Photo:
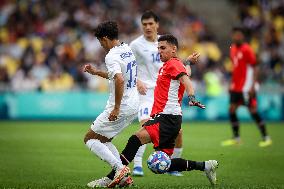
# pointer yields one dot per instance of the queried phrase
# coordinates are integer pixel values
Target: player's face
(104, 43)
(150, 28)
(238, 37)
(166, 50)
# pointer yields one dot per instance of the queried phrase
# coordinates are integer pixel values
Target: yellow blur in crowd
(71, 48)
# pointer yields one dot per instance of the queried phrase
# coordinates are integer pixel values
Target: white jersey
(120, 59)
(148, 60)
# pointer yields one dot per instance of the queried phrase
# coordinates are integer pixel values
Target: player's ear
(174, 49)
(104, 39)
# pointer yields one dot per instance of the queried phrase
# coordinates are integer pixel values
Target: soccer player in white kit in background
(145, 48)
(122, 105)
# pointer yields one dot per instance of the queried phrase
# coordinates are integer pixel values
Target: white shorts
(145, 105)
(110, 129)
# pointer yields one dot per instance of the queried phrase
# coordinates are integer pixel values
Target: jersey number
(146, 112)
(156, 57)
(132, 80)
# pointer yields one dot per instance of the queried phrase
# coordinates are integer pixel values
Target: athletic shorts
(110, 129)
(163, 130)
(242, 98)
(145, 105)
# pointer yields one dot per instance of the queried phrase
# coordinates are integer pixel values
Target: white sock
(139, 155)
(177, 153)
(207, 165)
(113, 150)
(102, 151)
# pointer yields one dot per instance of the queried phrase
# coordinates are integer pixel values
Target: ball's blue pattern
(159, 162)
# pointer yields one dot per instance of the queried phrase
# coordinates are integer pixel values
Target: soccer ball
(159, 162)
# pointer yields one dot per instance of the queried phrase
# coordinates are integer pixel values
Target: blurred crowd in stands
(43, 44)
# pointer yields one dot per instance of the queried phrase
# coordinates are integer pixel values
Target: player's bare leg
(266, 140)
(138, 165)
(177, 152)
(178, 146)
(235, 126)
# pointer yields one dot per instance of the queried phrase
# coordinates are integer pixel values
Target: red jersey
(169, 91)
(243, 59)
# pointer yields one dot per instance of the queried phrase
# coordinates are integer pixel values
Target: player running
(122, 105)
(145, 48)
(243, 87)
(166, 116)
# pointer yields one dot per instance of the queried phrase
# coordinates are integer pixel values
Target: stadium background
(43, 48)
(43, 45)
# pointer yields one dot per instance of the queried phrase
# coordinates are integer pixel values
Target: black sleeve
(181, 74)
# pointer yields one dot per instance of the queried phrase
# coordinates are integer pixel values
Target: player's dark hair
(245, 31)
(149, 14)
(169, 38)
(238, 29)
(107, 29)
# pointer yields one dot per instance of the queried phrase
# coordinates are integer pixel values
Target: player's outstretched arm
(190, 92)
(92, 70)
(119, 89)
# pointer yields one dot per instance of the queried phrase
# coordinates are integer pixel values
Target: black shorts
(163, 130)
(241, 98)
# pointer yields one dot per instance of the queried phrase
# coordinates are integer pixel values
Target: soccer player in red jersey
(145, 49)
(243, 87)
(163, 128)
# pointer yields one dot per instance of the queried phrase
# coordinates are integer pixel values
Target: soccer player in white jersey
(122, 105)
(145, 48)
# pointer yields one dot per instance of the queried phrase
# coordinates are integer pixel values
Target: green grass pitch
(52, 155)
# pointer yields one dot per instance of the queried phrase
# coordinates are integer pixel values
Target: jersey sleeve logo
(161, 71)
(126, 55)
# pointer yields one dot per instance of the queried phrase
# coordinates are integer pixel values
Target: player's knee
(86, 138)
(143, 136)
(180, 132)
(252, 110)
(233, 108)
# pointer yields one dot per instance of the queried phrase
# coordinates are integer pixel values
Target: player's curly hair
(169, 38)
(107, 29)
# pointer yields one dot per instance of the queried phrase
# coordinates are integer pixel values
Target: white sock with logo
(103, 152)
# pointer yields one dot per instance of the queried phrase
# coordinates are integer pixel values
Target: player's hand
(198, 104)
(141, 87)
(113, 114)
(88, 68)
(193, 102)
(193, 58)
